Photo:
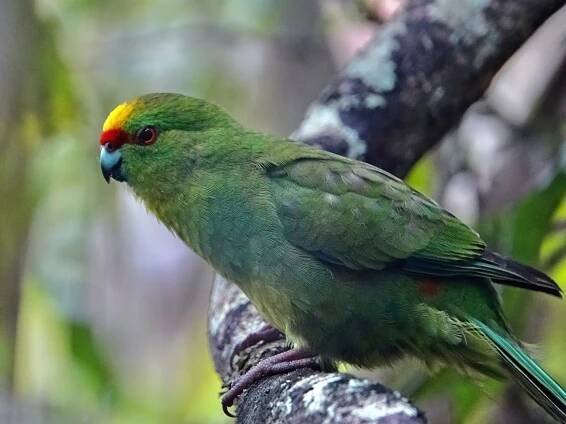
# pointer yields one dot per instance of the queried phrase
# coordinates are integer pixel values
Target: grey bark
(391, 103)
(412, 83)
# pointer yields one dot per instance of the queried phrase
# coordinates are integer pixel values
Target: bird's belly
(364, 325)
(273, 304)
(363, 320)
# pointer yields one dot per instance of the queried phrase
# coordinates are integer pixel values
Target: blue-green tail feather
(527, 373)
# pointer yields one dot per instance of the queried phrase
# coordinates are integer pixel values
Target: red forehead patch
(116, 138)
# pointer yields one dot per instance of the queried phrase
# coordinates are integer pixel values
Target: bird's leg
(265, 334)
(283, 362)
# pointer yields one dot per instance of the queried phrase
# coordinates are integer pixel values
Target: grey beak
(110, 164)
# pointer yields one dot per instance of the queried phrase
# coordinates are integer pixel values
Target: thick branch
(391, 103)
(415, 79)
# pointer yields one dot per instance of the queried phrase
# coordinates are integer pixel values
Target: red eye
(147, 135)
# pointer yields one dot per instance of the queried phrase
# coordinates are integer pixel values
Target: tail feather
(509, 271)
(491, 265)
(527, 373)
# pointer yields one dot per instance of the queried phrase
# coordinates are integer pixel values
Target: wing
(355, 215)
(352, 214)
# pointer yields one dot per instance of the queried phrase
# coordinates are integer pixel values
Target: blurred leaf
(422, 176)
(531, 220)
(526, 227)
(87, 353)
(44, 366)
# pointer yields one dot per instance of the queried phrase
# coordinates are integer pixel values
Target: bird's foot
(281, 363)
(266, 334)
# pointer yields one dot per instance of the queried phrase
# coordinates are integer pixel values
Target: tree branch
(413, 82)
(391, 104)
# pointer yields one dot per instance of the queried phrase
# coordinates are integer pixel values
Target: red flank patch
(429, 287)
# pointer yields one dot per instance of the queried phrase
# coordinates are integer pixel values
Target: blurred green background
(103, 312)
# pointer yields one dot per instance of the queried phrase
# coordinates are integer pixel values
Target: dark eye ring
(146, 135)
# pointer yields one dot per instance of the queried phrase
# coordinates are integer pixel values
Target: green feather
(528, 374)
(371, 219)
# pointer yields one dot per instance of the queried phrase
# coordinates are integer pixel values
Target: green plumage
(341, 256)
(528, 374)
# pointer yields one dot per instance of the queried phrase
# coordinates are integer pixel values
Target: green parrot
(345, 259)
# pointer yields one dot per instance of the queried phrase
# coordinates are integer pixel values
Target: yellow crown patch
(118, 116)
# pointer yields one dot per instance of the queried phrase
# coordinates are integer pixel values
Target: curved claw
(227, 411)
(226, 402)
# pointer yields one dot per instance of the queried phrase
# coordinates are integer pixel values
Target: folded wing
(352, 214)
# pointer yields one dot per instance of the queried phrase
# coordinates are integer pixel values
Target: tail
(491, 265)
(506, 271)
(527, 373)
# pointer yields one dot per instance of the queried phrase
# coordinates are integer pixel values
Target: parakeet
(345, 259)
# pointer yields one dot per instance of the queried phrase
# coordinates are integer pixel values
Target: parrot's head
(147, 141)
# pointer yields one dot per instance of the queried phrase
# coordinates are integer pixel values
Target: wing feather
(359, 216)
(352, 214)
